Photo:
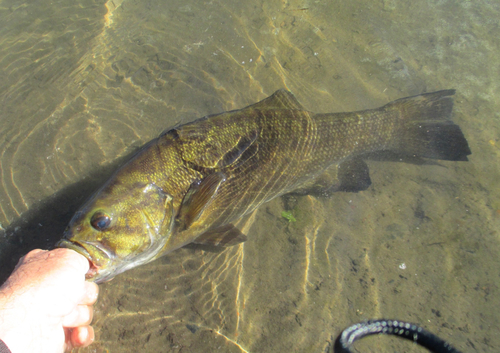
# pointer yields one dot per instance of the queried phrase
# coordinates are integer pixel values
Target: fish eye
(100, 221)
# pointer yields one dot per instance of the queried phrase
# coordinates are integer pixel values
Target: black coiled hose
(398, 328)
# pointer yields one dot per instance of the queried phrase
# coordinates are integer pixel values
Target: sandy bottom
(84, 83)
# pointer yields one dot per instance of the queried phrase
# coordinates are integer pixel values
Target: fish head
(122, 226)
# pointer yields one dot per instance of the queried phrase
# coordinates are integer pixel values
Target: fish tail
(428, 131)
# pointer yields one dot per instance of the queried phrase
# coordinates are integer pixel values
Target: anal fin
(354, 176)
(350, 176)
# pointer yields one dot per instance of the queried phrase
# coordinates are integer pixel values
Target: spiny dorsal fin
(281, 99)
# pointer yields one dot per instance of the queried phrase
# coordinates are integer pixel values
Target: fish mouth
(95, 254)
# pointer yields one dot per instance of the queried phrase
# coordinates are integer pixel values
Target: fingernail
(83, 335)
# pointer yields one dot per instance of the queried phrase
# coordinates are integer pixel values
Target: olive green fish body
(194, 181)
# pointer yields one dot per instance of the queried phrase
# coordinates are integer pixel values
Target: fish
(195, 180)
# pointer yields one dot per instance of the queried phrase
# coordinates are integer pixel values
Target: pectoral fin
(197, 199)
(242, 151)
(227, 235)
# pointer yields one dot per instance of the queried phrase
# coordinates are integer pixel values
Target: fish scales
(190, 184)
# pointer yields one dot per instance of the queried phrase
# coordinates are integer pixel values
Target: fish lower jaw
(93, 270)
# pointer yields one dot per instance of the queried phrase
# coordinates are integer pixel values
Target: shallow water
(84, 83)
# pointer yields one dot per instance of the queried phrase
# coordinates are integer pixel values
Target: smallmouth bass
(192, 182)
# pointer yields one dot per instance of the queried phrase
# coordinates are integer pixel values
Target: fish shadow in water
(44, 223)
(390, 156)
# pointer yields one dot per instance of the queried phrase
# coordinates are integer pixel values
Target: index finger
(73, 257)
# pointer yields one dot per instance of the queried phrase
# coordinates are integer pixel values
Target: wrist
(15, 323)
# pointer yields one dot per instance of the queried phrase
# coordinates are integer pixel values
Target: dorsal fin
(281, 99)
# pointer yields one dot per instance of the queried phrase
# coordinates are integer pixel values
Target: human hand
(46, 304)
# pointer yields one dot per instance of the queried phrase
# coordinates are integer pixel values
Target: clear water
(84, 83)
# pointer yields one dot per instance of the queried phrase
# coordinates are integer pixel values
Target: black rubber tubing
(397, 328)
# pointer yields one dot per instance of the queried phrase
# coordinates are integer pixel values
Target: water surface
(85, 83)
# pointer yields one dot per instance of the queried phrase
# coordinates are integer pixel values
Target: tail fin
(428, 131)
